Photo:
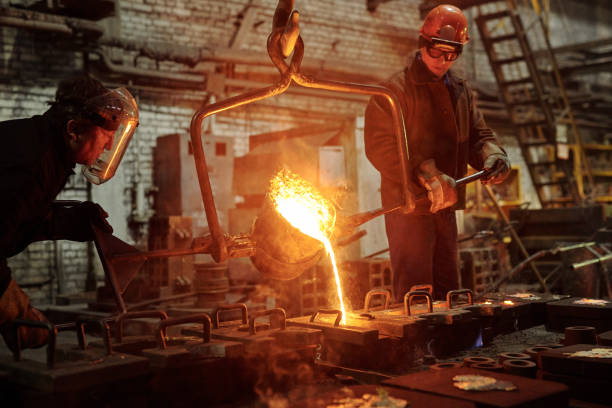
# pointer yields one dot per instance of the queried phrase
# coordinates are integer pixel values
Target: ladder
(538, 107)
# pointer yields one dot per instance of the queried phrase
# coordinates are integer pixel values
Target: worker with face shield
(445, 132)
(86, 124)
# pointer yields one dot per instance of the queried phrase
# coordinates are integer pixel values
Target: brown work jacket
(451, 135)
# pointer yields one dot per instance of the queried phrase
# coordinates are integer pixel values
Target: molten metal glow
(508, 302)
(308, 211)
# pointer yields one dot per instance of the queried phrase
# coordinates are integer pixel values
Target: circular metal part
(525, 368)
(550, 345)
(471, 360)
(493, 366)
(533, 351)
(512, 356)
(580, 335)
(444, 366)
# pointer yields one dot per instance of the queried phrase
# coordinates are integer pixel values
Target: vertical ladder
(533, 105)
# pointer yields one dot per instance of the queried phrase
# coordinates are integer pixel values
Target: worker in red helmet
(445, 132)
(86, 124)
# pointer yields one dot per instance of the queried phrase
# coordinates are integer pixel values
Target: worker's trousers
(423, 250)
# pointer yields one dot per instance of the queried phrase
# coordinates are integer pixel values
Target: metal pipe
(397, 117)
(161, 253)
(219, 248)
(600, 259)
(16, 22)
(146, 303)
(516, 269)
(46, 22)
(530, 259)
(132, 71)
(576, 246)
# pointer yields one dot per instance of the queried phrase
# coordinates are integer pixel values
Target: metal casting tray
(356, 346)
(530, 393)
(557, 361)
(566, 312)
(73, 370)
(585, 389)
(328, 321)
(445, 327)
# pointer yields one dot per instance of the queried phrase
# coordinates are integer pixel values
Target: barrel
(211, 282)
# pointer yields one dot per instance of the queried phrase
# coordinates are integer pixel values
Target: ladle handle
(376, 292)
(452, 294)
(417, 293)
(337, 312)
(195, 318)
(233, 306)
(270, 312)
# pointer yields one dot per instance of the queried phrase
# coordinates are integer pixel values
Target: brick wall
(341, 31)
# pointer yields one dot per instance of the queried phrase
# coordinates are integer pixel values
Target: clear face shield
(115, 111)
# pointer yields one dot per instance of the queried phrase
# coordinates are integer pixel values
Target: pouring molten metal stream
(308, 211)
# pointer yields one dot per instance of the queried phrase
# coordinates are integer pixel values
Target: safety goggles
(438, 47)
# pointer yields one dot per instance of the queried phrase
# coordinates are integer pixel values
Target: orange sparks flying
(308, 211)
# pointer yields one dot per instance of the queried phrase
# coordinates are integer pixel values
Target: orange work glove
(15, 304)
(498, 166)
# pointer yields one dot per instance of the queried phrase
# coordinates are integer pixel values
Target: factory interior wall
(335, 32)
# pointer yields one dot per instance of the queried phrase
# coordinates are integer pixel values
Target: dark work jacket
(34, 166)
(448, 129)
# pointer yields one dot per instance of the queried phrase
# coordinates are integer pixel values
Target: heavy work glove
(73, 222)
(441, 188)
(15, 304)
(498, 167)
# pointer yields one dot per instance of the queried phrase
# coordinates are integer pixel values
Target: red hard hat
(445, 22)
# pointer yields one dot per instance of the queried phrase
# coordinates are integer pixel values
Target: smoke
(284, 376)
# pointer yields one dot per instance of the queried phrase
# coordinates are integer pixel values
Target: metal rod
(160, 253)
(109, 269)
(162, 299)
(601, 259)
(472, 177)
(529, 260)
(513, 271)
(361, 218)
(576, 246)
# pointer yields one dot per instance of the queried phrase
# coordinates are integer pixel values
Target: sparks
(308, 211)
